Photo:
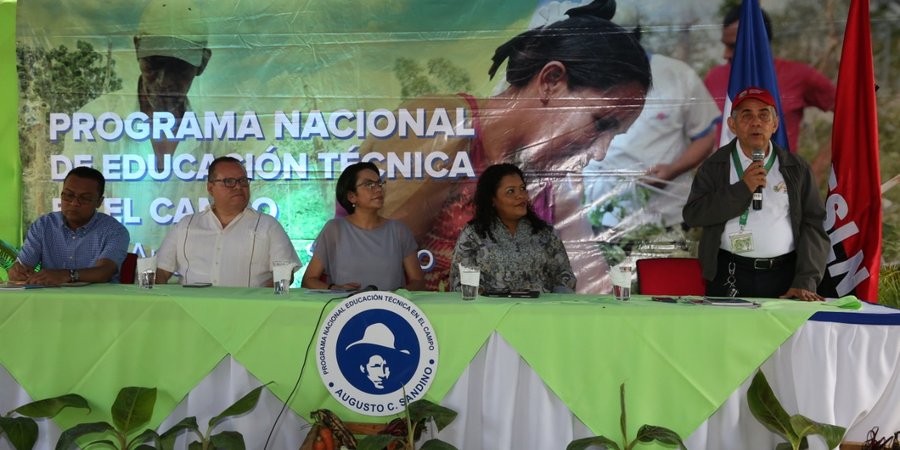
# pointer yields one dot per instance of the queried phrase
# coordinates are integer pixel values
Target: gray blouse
(352, 254)
(524, 261)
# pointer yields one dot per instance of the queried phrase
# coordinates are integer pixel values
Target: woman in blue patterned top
(513, 247)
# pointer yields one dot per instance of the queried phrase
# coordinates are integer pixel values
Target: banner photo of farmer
(150, 93)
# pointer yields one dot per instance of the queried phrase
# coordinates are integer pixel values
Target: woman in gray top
(513, 247)
(363, 248)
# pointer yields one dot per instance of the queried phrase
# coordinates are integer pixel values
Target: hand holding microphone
(757, 167)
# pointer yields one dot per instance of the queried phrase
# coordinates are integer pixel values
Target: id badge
(741, 242)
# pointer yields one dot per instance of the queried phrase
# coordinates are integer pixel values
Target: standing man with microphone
(752, 248)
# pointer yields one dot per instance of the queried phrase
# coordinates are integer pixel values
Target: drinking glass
(469, 278)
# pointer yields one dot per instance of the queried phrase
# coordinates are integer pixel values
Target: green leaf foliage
(227, 440)
(67, 438)
(377, 441)
(143, 438)
(768, 410)
(224, 440)
(145, 447)
(454, 79)
(242, 406)
(646, 434)
(436, 444)
(103, 442)
(585, 443)
(50, 407)
(66, 78)
(889, 275)
(832, 434)
(167, 438)
(650, 433)
(133, 407)
(423, 410)
(22, 432)
(787, 445)
(195, 446)
(412, 82)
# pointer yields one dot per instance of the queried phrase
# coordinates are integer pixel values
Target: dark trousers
(750, 280)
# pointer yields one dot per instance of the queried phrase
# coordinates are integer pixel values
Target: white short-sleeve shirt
(240, 254)
(771, 226)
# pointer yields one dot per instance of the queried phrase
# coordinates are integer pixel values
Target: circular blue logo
(377, 351)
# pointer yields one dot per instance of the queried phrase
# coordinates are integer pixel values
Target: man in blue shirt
(76, 243)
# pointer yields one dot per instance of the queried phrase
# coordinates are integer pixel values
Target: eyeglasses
(372, 185)
(83, 199)
(231, 182)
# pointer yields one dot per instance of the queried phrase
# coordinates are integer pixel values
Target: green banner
(10, 167)
(432, 92)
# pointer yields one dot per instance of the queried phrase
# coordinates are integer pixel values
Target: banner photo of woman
(150, 93)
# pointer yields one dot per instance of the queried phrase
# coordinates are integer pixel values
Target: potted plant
(19, 425)
(795, 429)
(225, 440)
(133, 408)
(646, 434)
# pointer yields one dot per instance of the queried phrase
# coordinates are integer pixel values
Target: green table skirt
(679, 362)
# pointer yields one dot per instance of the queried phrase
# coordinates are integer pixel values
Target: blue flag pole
(752, 65)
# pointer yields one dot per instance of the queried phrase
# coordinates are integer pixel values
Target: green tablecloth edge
(599, 409)
(253, 328)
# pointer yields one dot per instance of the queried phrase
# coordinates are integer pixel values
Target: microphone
(758, 155)
(366, 288)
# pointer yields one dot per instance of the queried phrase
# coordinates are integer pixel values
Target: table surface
(679, 362)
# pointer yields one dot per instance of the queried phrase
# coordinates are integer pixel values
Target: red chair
(670, 276)
(126, 272)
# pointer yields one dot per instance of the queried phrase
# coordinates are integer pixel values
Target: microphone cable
(187, 262)
(312, 339)
(253, 249)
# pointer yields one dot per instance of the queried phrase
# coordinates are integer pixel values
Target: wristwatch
(73, 275)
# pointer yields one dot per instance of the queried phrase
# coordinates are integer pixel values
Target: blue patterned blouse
(524, 261)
